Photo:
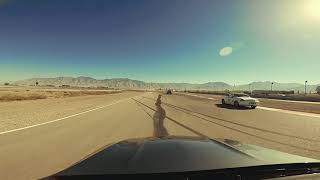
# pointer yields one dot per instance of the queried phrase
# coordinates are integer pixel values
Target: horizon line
(160, 82)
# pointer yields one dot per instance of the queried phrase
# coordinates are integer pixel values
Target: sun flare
(312, 9)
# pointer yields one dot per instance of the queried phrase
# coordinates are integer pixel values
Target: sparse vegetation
(33, 94)
(16, 97)
(6, 84)
(318, 90)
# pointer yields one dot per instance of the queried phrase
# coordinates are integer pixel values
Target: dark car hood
(178, 154)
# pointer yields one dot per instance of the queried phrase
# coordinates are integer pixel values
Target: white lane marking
(290, 112)
(274, 109)
(56, 120)
(292, 101)
(303, 102)
(199, 96)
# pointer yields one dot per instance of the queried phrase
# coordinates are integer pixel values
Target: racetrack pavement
(46, 148)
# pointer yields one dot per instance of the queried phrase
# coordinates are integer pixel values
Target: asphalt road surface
(38, 150)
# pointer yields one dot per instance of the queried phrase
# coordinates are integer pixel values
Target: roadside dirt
(21, 94)
(17, 114)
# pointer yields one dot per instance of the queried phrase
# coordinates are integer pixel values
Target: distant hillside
(117, 83)
(276, 86)
(83, 82)
(135, 84)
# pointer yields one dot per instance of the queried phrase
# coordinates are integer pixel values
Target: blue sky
(161, 41)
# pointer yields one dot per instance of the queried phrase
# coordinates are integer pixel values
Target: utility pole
(305, 87)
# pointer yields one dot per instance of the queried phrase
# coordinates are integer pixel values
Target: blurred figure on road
(158, 102)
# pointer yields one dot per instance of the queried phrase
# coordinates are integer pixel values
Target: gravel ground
(17, 114)
(25, 93)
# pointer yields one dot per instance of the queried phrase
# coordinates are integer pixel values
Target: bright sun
(313, 9)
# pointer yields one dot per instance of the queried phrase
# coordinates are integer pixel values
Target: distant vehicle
(282, 95)
(169, 91)
(174, 157)
(242, 100)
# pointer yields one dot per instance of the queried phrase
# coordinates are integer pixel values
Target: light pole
(271, 85)
(305, 87)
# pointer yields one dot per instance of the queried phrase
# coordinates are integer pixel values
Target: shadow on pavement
(226, 106)
(205, 116)
(161, 112)
(158, 119)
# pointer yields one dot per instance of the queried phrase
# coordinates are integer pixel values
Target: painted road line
(60, 119)
(303, 102)
(290, 112)
(274, 109)
(198, 96)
